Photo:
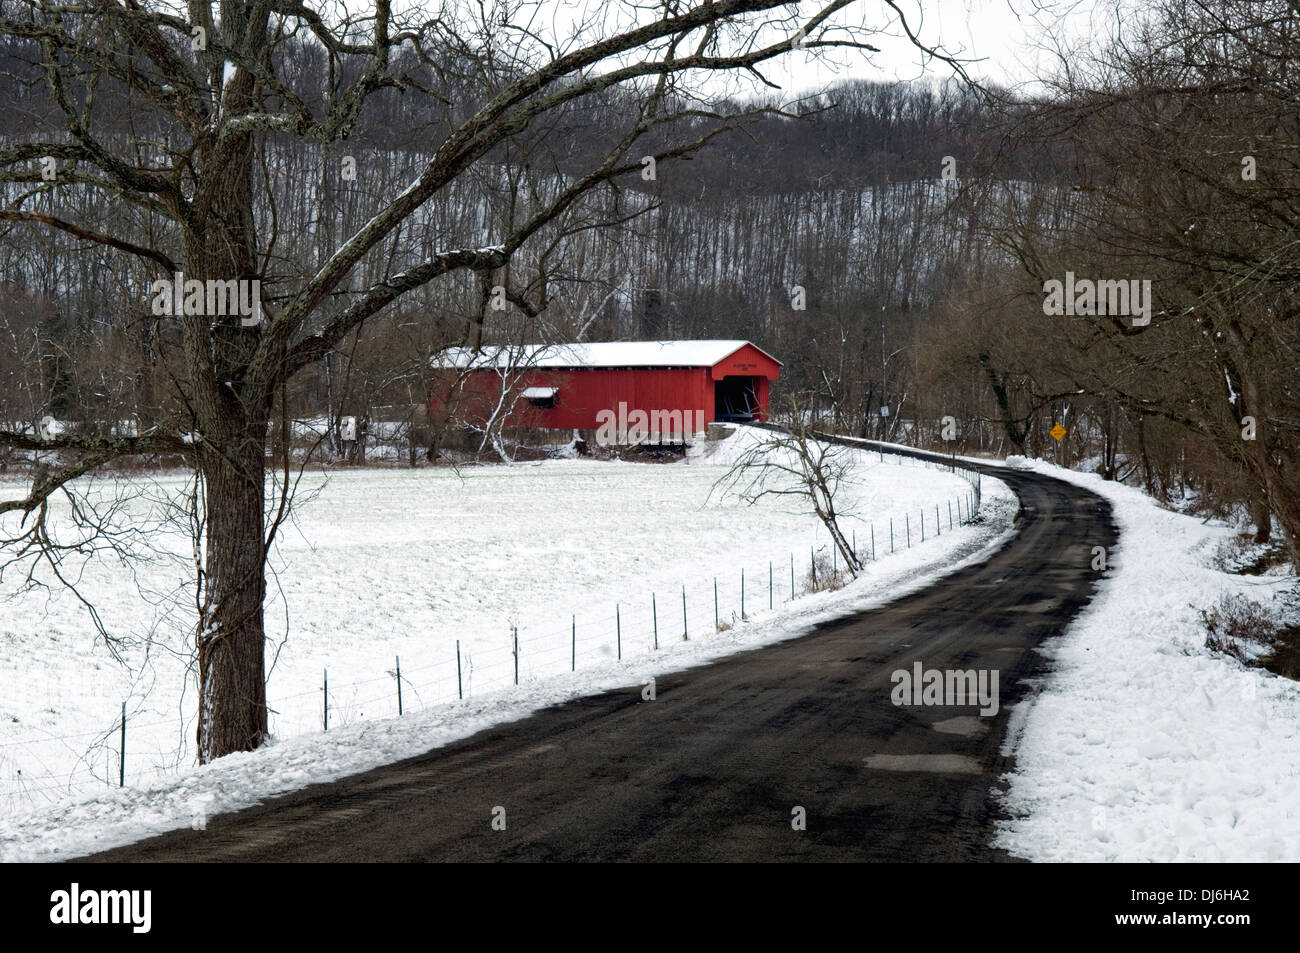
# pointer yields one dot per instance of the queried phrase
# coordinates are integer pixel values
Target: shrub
(1237, 623)
(822, 576)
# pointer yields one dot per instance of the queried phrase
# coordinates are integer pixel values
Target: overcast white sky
(1012, 39)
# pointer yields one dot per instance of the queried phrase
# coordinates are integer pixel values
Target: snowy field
(387, 563)
(1143, 744)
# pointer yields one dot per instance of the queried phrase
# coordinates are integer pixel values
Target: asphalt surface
(714, 767)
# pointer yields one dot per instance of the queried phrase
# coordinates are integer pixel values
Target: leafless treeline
(844, 203)
(1171, 156)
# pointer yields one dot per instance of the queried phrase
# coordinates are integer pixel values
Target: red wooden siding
(584, 392)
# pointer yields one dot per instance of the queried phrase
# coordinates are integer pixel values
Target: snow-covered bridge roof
(610, 354)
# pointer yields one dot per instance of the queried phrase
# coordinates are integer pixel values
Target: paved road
(713, 767)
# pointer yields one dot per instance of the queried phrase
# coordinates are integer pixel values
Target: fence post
(950, 514)
(792, 577)
(938, 524)
(618, 631)
(873, 542)
(121, 766)
(923, 524)
(655, 610)
(460, 685)
(715, 602)
(573, 659)
(514, 629)
(399, 684)
(907, 522)
(770, 598)
(325, 690)
(686, 629)
(891, 536)
(742, 592)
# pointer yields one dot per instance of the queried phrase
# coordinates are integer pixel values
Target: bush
(822, 576)
(1242, 555)
(1236, 624)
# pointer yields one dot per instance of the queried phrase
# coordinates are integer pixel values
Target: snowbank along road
(729, 760)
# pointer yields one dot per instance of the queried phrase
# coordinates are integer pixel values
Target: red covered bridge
(678, 386)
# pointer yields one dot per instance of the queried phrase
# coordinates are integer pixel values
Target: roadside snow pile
(1144, 745)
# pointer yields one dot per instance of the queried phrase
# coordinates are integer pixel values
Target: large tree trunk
(231, 646)
(232, 401)
(1015, 435)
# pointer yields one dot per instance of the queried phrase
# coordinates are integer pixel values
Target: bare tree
(789, 461)
(175, 114)
(1170, 156)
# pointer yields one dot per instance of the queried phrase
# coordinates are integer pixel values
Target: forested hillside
(890, 243)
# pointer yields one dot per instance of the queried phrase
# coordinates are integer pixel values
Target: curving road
(712, 769)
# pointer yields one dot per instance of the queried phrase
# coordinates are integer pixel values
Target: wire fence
(634, 628)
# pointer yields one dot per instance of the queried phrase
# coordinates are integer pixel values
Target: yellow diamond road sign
(1057, 432)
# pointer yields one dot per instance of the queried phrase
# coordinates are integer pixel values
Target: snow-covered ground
(1143, 745)
(390, 563)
